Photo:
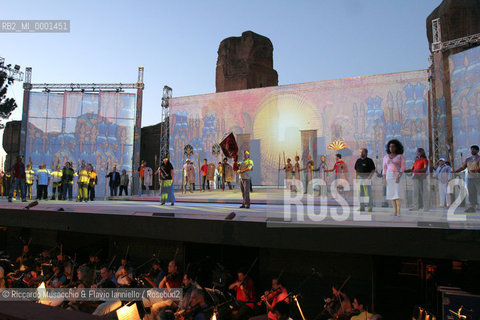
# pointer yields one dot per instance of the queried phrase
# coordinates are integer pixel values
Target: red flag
(229, 146)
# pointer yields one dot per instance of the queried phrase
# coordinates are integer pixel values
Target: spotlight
(230, 216)
(31, 205)
(17, 67)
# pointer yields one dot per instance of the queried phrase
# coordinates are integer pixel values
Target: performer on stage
(147, 177)
(288, 174)
(19, 179)
(393, 168)
(141, 171)
(364, 171)
(218, 175)
(43, 180)
(114, 181)
(472, 164)
(309, 174)
(56, 183)
(341, 170)
(190, 176)
(421, 196)
(124, 180)
(339, 304)
(30, 176)
(92, 182)
(296, 173)
(67, 181)
(166, 182)
(227, 174)
(83, 179)
(443, 173)
(244, 171)
(204, 169)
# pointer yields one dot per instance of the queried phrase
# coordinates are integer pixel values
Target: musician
(271, 298)
(166, 176)
(288, 174)
(198, 305)
(245, 295)
(32, 275)
(173, 278)
(244, 172)
(58, 279)
(25, 259)
(107, 278)
(124, 274)
(360, 311)
(188, 285)
(339, 304)
(155, 275)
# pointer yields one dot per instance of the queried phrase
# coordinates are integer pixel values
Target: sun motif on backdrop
(277, 125)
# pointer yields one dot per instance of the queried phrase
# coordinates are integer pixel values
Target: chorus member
(185, 174)
(43, 180)
(30, 177)
(393, 168)
(364, 171)
(166, 173)
(296, 173)
(245, 293)
(18, 175)
(141, 171)
(219, 174)
(225, 179)
(67, 180)
(124, 180)
(147, 177)
(420, 190)
(204, 169)
(288, 174)
(443, 174)
(114, 181)
(245, 168)
(56, 183)
(92, 182)
(191, 176)
(472, 164)
(341, 170)
(309, 167)
(83, 180)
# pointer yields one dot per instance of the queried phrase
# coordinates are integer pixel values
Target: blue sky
(177, 41)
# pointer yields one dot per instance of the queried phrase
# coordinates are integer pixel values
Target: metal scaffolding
(13, 73)
(165, 125)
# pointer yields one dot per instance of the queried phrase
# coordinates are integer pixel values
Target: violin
(269, 295)
(188, 312)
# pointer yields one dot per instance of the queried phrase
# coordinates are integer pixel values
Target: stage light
(128, 312)
(17, 67)
(31, 205)
(214, 315)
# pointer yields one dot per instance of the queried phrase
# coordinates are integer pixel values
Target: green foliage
(7, 105)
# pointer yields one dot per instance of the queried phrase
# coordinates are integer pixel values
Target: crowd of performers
(222, 175)
(392, 170)
(235, 299)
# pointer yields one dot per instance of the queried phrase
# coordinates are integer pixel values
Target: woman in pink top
(393, 168)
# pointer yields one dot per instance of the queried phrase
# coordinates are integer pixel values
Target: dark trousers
(204, 180)
(29, 190)
(17, 183)
(245, 187)
(123, 188)
(56, 188)
(223, 184)
(42, 192)
(473, 186)
(113, 191)
(67, 188)
(91, 193)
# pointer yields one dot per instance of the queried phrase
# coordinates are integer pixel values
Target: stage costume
(124, 184)
(147, 178)
(43, 178)
(30, 176)
(141, 171)
(364, 168)
(166, 170)
(67, 182)
(309, 175)
(83, 179)
(204, 169)
(420, 184)
(288, 176)
(91, 185)
(473, 179)
(56, 184)
(245, 168)
(392, 168)
(190, 176)
(19, 180)
(444, 175)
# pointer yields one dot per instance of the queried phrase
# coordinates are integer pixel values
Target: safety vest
(56, 176)
(93, 177)
(30, 175)
(83, 176)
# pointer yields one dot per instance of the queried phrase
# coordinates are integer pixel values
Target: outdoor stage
(201, 218)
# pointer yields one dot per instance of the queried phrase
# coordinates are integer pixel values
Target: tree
(7, 105)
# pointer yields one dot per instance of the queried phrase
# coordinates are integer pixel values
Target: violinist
(360, 308)
(155, 275)
(271, 298)
(124, 274)
(181, 306)
(58, 278)
(339, 304)
(173, 278)
(198, 307)
(282, 311)
(245, 294)
(25, 259)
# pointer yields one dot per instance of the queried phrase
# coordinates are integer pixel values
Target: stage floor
(267, 206)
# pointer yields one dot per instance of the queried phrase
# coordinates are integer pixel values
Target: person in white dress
(393, 168)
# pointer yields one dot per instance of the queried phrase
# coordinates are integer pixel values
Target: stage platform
(201, 217)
